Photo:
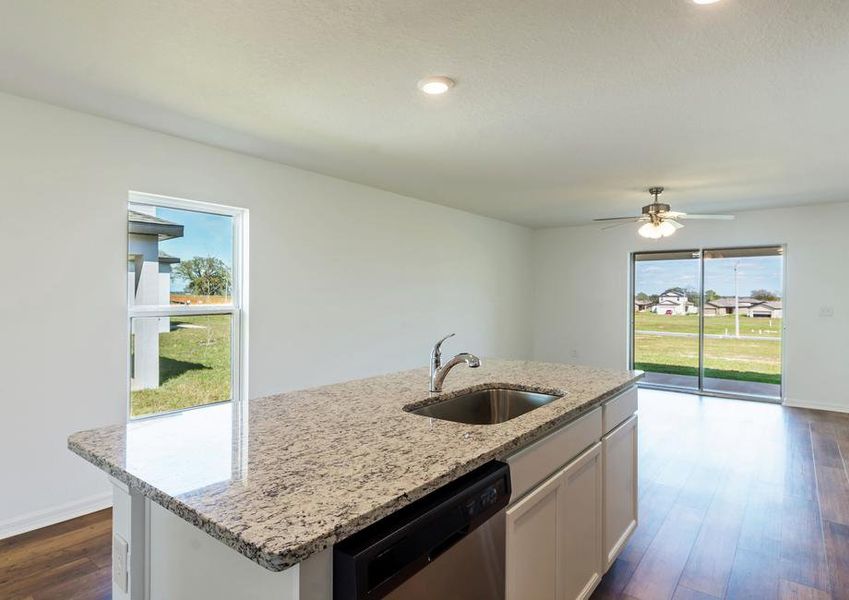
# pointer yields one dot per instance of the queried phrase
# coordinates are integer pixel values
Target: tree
(711, 295)
(642, 296)
(207, 276)
(764, 295)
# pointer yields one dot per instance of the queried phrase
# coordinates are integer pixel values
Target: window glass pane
(666, 318)
(179, 362)
(178, 257)
(743, 321)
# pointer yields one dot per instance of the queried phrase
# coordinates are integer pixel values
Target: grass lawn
(178, 298)
(194, 366)
(725, 358)
(724, 325)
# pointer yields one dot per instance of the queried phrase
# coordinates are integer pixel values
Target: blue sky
(758, 272)
(203, 235)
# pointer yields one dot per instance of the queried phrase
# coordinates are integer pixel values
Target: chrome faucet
(438, 371)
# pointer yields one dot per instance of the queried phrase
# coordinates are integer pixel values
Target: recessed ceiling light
(705, 1)
(436, 85)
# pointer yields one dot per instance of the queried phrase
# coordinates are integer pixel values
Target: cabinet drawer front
(531, 465)
(618, 409)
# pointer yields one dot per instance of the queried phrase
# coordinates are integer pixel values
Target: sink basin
(486, 407)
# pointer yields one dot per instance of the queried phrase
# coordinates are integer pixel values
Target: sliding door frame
(699, 253)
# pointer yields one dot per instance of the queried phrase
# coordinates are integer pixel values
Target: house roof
(674, 293)
(643, 302)
(166, 258)
(773, 304)
(145, 224)
(729, 302)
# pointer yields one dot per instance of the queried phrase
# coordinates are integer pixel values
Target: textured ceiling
(563, 110)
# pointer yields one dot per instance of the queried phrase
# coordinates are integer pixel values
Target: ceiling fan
(658, 221)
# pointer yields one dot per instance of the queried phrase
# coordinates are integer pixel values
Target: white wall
(346, 281)
(586, 266)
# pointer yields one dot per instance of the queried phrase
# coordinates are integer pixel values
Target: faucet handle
(436, 353)
(438, 345)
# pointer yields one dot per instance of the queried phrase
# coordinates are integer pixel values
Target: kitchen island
(280, 479)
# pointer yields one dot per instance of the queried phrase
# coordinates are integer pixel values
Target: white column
(146, 331)
(129, 526)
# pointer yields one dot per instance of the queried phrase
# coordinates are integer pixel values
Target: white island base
(573, 509)
(170, 559)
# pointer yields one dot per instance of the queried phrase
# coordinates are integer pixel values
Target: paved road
(711, 335)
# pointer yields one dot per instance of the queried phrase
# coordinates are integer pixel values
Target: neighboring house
(672, 302)
(710, 310)
(642, 305)
(726, 305)
(771, 309)
(669, 308)
(149, 284)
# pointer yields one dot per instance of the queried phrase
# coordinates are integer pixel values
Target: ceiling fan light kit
(658, 220)
(650, 231)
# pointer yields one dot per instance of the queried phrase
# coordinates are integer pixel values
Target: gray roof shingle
(144, 224)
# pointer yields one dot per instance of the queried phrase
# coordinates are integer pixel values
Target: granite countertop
(308, 468)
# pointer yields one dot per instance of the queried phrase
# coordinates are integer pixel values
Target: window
(185, 294)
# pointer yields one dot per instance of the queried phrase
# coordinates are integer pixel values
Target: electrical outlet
(120, 551)
(826, 311)
(574, 354)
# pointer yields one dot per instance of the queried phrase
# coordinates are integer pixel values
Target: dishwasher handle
(445, 544)
(373, 562)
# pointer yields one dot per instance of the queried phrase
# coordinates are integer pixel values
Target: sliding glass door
(743, 320)
(666, 320)
(710, 320)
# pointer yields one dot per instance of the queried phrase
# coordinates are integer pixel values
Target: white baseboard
(56, 514)
(814, 405)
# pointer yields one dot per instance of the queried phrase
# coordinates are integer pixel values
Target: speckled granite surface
(311, 467)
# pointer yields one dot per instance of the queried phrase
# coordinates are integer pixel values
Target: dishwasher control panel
(488, 498)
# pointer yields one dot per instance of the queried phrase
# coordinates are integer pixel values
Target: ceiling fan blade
(716, 217)
(674, 223)
(634, 218)
(621, 223)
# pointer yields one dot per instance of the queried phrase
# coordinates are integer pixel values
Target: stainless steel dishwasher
(447, 545)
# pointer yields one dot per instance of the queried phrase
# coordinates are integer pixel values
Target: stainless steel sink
(485, 407)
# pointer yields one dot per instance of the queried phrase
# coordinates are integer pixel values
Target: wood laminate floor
(68, 561)
(737, 500)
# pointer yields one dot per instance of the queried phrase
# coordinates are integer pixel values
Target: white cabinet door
(532, 543)
(579, 526)
(554, 534)
(620, 488)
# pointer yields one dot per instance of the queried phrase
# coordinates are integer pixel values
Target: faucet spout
(470, 359)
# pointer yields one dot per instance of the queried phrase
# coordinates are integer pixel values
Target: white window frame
(237, 308)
